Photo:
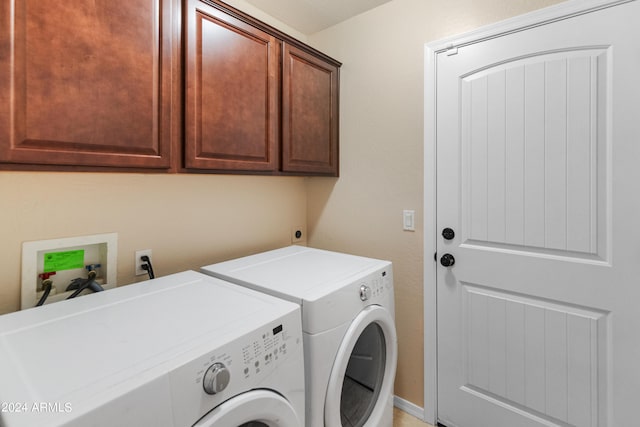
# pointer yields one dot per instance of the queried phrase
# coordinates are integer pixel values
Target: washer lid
(73, 351)
(296, 273)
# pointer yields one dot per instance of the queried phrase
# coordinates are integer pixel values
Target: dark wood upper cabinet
(89, 83)
(161, 85)
(309, 113)
(257, 100)
(233, 92)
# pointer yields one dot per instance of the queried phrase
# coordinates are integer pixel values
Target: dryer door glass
(363, 377)
(360, 388)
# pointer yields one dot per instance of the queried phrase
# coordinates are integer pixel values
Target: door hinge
(452, 50)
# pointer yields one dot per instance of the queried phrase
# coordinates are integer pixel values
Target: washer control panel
(247, 361)
(265, 350)
(257, 353)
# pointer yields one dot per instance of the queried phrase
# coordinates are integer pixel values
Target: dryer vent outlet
(297, 234)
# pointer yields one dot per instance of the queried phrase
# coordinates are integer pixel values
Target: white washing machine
(181, 350)
(350, 341)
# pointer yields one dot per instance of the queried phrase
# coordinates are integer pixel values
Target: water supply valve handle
(92, 267)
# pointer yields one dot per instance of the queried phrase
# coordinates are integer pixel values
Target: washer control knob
(365, 292)
(216, 378)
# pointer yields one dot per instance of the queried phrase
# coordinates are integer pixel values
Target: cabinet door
(309, 113)
(87, 82)
(232, 100)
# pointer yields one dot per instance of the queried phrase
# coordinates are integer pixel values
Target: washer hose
(46, 285)
(88, 283)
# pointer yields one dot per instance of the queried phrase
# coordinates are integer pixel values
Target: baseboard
(408, 407)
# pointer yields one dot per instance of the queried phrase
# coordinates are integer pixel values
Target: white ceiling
(310, 16)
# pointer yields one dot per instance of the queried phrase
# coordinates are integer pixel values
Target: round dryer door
(257, 408)
(361, 382)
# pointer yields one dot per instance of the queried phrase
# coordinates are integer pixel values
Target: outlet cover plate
(298, 234)
(139, 270)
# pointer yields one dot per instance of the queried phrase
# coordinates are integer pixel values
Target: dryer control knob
(216, 378)
(365, 292)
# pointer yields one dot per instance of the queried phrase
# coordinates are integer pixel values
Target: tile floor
(402, 419)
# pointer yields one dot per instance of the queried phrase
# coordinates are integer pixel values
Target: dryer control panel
(270, 357)
(376, 284)
(371, 287)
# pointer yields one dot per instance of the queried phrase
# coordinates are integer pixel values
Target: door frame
(544, 16)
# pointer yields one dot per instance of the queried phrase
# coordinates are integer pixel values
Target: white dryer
(181, 350)
(350, 341)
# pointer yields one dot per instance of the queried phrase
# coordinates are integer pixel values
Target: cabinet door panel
(87, 83)
(309, 114)
(232, 93)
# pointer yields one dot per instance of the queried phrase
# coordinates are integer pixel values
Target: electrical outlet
(139, 270)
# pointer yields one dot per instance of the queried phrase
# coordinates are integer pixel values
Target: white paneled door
(538, 178)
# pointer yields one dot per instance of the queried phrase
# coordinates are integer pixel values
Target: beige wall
(266, 18)
(187, 220)
(381, 140)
